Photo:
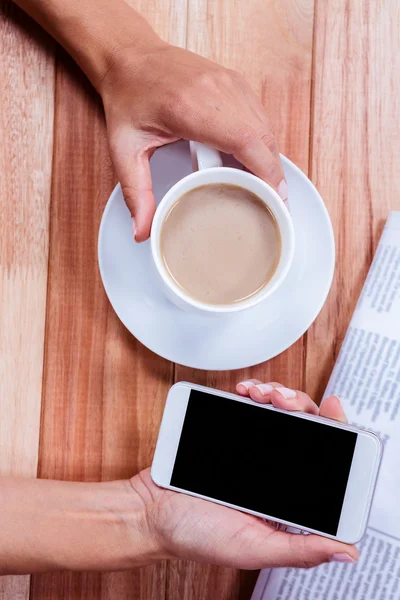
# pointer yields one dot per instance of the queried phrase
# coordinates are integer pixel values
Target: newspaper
(366, 377)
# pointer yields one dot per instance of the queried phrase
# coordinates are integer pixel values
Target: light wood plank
(355, 154)
(14, 587)
(26, 142)
(271, 44)
(26, 145)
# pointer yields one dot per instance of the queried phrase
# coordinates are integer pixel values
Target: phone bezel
(362, 476)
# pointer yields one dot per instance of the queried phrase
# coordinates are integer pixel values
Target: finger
(262, 392)
(243, 387)
(305, 551)
(293, 400)
(254, 146)
(260, 155)
(253, 101)
(331, 408)
(260, 113)
(283, 398)
(133, 171)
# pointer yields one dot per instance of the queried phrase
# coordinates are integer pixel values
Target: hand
(191, 528)
(168, 93)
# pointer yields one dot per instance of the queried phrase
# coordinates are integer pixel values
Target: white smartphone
(297, 469)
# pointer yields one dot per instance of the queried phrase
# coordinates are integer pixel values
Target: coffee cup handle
(204, 157)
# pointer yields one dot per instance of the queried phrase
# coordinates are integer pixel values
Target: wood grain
(271, 44)
(136, 380)
(103, 392)
(355, 155)
(26, 144)
(14, 587)
(76, 319)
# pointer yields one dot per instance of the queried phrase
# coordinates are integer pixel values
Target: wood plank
(26, 143)
(271, 44)
(71, 433)
(135, 387)
(103, 392)
(355, 154)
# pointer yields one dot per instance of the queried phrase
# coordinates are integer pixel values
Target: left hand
(182, 526)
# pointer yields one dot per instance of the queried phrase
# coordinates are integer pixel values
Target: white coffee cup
(210, 170)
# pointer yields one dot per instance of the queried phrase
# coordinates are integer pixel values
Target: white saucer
(216, 342)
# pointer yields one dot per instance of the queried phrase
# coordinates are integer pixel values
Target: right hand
(182, 526)
(168, 93)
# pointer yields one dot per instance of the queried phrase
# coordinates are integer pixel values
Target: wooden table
(81, 399)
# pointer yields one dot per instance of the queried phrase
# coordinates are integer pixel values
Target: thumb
(332, 409)
(305, 551)
(133, 171)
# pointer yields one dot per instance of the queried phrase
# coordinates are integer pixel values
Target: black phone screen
(269, 462)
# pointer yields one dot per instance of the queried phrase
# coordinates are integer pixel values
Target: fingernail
(286, 393)
(265, 388)
(247, 384)
(335, 397)
(346, 558)
(283, 190)
(134, 228)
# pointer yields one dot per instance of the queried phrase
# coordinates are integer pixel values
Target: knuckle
(179, 111)
(301, 551)
(244, 137)
(140, 192)
(272, 128)
(309, 564)
(178, 102)
(268, 138)
(206, 80)
(130, 193)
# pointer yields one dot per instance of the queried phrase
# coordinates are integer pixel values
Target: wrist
(124, 537)
(95, 32)
(100, 527)
(126, 63)
(77, 526)
(120, 36)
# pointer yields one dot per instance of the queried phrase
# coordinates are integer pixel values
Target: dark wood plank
(71, 435)
(103, 392)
